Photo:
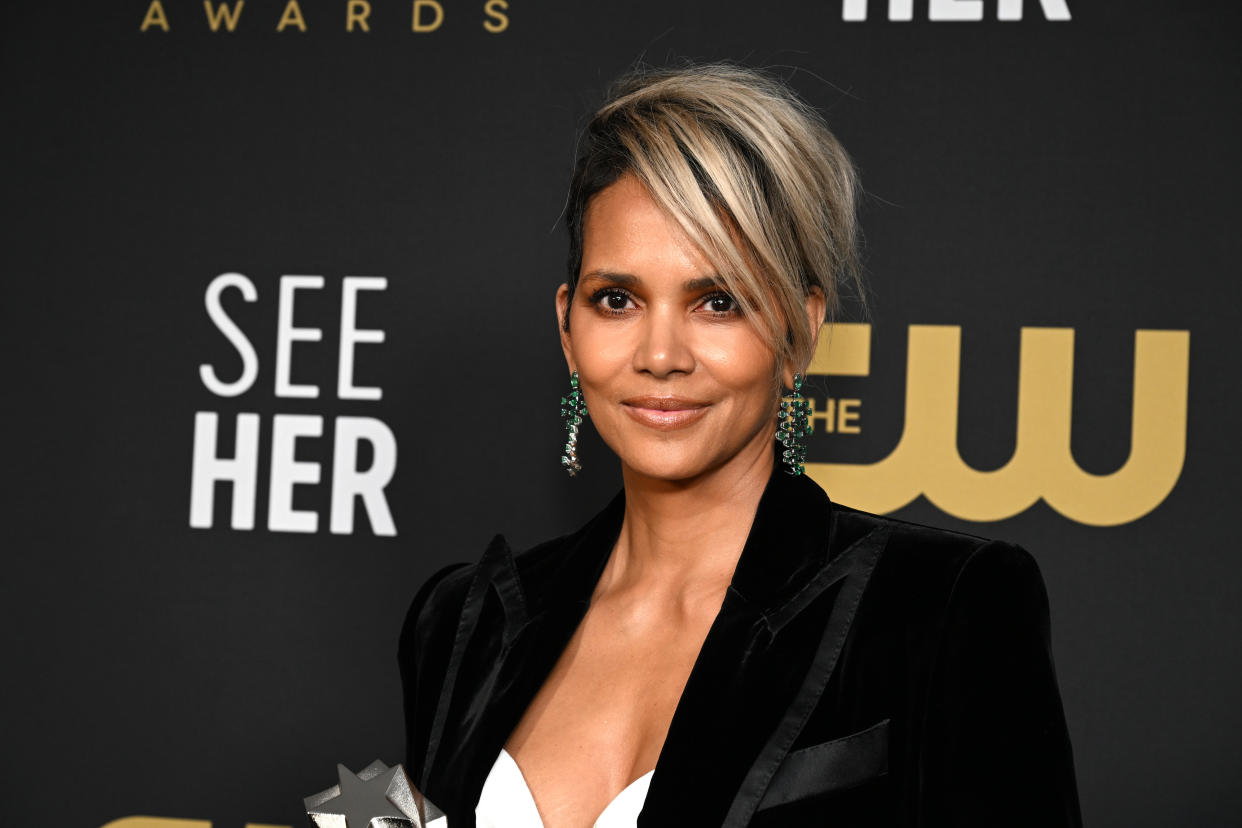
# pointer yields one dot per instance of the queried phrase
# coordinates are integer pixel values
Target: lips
(665, 413)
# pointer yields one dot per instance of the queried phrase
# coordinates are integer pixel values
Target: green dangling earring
(573, 409)
(793, 427)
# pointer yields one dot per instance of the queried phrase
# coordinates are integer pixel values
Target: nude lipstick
(665, 413)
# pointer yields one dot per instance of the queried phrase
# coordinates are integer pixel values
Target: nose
(663, 347)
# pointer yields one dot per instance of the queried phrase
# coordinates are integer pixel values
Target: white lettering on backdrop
(349, 484)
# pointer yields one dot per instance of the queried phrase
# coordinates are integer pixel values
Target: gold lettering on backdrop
(427, 16)
(357, 11)
(827, 415)
(846, 415)
(156, 822)
(155, 17)
(292, 16)
(223, 12)
(845, 351)
(926, 460)
(168, 822)
(495, 10)
(419, 24)
(837, 419)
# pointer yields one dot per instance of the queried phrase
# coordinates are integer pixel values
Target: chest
(748, 683)
(600, 719)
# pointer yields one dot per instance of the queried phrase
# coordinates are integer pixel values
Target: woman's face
(677, 381)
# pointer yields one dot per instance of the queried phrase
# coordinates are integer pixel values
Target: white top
(506, 800)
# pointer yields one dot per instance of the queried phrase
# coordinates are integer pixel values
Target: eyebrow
(630, 280)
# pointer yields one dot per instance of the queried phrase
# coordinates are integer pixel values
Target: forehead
(625, 229)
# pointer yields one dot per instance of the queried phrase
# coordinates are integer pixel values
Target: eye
(612, 300)
(720, 304)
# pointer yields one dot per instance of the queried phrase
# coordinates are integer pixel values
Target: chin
(670, 461)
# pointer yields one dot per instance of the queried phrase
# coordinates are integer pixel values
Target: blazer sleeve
(996, 750)
(423, 651)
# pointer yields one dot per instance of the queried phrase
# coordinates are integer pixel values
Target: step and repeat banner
(279, 342)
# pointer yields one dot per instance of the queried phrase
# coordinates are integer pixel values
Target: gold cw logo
(926, 459)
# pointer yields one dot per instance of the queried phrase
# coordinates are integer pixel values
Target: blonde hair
(751, 174)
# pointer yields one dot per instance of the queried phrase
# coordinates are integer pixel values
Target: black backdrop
(1041, 174)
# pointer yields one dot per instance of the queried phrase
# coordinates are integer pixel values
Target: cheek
(602, 353)
(740, 360)
(600, 350)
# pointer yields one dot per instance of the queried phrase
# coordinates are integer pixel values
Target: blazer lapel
(838, 589)
(765, 661)
(763, 665)
(542, 606)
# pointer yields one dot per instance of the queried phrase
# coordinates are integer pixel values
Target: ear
(816, 309)
(562, 321)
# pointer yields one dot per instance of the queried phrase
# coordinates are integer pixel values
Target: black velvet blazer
(862, 671)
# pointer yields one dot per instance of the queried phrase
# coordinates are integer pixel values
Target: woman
(722, 644)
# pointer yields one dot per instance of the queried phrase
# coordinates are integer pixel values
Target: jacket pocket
(830, 766)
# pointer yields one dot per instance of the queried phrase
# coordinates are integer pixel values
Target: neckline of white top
(506, 800)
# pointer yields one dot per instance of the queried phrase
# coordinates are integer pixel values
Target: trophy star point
(362, 800)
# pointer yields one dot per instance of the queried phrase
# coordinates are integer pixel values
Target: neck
(682, 538)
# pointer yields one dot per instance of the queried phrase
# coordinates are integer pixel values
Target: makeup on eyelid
(604, 293)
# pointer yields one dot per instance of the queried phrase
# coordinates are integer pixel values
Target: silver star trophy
(376, 797)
